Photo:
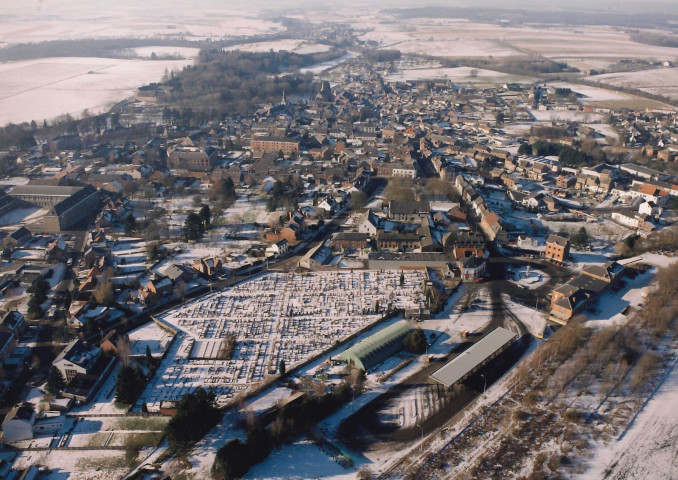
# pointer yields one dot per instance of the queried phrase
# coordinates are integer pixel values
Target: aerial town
(383, 272)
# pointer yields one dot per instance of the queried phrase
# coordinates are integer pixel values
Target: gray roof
(468, 361)
(557, 239)
(47, 190)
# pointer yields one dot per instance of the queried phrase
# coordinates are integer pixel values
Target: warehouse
(471, 360)
(377, 348)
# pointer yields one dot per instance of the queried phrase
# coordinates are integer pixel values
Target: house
(398, 241)
(160, 286)
(557, 248)
(609, 272)
(490, 225)
(408, 211)
(209, 266)
(472, 268)
(368, 223)
(629, 218)
(278, 248)
(18, 423)
(568, 300)
(7, 346)
(18, 237)
(329, 204)
(354, 240)
(315, 257)
(78, 357)
(14, 322)
(112, 343)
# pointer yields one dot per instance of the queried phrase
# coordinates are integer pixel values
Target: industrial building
(377, 348)
(68, 206)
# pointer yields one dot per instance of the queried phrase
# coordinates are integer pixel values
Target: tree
(103, 293)
(402, 279)
(415, 341)
(130, 383)
(581, 238)
(357, 200)
(193, 226)
(205, 216)
(55, 380)
(129, 224)
(196, 414)
(197, 199)
(282, 368)
(500, 117)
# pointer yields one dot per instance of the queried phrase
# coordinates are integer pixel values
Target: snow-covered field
(609, 98)
(44, 20)
(460, 38)
(160, 51)
(46, 88)
(659, 81)
(297, 46)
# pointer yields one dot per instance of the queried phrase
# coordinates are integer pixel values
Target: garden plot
(129, 257)
(275, 317)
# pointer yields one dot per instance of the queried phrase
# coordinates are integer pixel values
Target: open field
(459, 38)
(661, 81)
(606, 98)
(39, 21)
(291, 45)
(46, 88)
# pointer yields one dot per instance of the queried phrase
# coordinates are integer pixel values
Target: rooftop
(468, 361)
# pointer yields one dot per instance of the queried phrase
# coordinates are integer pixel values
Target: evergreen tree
(282, 368)
(193, 226)
(581, 238)
(55, 380)
(129, 385)
(415, 341)
(205, 216)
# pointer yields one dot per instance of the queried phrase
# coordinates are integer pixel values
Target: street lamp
(484, 383)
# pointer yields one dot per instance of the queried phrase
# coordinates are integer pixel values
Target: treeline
(566, 154)
(656, 39)
(115, 47)
(513, 65)
(238, 82)
(377, 56)
(236, 457)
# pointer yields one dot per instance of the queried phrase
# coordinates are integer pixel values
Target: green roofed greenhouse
(378, 347)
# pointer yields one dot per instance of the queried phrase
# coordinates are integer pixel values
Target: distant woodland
(238, 82)
(656, 39)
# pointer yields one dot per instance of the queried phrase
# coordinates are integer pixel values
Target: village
(277, 252)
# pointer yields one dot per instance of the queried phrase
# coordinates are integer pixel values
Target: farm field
(46, 88)
(39, 21)
(459, 38)
(661, 81)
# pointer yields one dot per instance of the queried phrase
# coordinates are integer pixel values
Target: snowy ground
(46, 88)
(658, 81)
(649, 447)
